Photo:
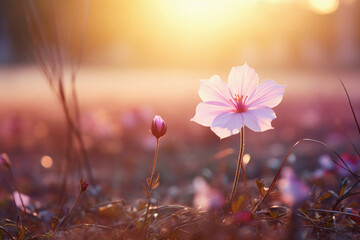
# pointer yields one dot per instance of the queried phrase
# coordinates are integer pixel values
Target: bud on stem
(158, 127)
(83, 186)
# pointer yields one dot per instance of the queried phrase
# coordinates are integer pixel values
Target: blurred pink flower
(25, 199)
(242, 217)
(351, 161)
(293, 190)
(206, 197)
(227, 108)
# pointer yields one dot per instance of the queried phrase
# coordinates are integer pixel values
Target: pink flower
(206, 197)
(293, 190)
(25, 199)
(227, 108)
(158, 127)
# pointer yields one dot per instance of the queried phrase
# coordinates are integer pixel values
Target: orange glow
(324, 6)
(202, 16)
(349, 2)
(206, 33)
(40, 130)
(46, 162)
(184, 27)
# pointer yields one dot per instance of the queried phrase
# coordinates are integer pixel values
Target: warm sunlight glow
(279, 1)
(349, 2)
(46, 162)
(40, 130)
(188, 19)
(324, 6)
(203, 13)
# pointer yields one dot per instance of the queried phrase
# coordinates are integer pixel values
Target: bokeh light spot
(46, 162)
(324, 6)
(246, 158)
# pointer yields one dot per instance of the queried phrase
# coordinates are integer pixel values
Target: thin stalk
(13, 197)
(151, 182)
(76, 202)
(75, 99)
(351, 106)
(243, 167)
(8, 233)
(16, 189)
(257, 206)
(335, 212)
(67, 165)
(344, 196)
(52, 59)
(356, 176)
(87, 225)
(68, 215)
(85, 157)
(77, 134)
(154, 164)
(240, 167)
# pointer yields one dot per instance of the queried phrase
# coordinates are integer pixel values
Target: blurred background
(142, 58)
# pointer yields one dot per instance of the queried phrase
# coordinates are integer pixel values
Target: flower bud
(158, 127)
(83, 186)
(5, 160)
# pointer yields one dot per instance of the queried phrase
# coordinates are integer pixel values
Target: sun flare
(202, 15)
(324, 6)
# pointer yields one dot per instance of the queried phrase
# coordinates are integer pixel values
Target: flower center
(239, 103)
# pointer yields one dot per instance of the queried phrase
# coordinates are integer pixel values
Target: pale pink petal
(243, 80)
(214, 89)
(227, 124)
(259, 119)
(207, 111)
(267, 94)
(18, 197)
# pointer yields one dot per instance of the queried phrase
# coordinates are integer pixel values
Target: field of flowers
(156, 154)
(195, 189)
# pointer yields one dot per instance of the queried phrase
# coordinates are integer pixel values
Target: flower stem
(154, 164)
(12, 177)
(13, 197)
(150, 184)
(240, 167)
(243, 166)
(61, 224)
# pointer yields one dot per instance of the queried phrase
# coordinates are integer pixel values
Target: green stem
(151, 182)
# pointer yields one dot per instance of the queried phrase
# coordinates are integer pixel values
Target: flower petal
(207, 111)
(227, 124)
(214, 89)
(267, 94)
(259, 119)
(243, 80)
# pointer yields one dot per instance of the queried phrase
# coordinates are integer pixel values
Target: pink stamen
(239, 103)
